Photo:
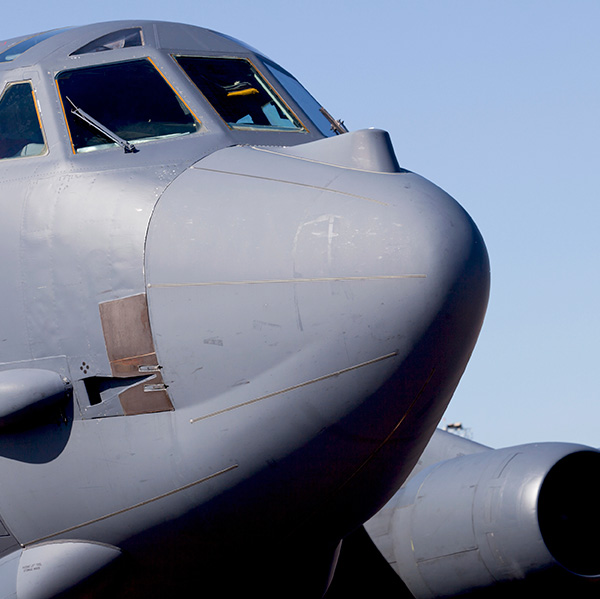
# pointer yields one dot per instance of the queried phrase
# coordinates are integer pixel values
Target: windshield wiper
(337, 126)
(92, 122)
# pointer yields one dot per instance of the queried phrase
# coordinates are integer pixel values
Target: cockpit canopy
(125, 82)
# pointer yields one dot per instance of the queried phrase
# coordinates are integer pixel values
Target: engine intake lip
(568, 513)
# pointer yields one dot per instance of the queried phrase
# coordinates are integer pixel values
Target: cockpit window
(124, 38)
(20, 127)
(132, 99)
(236, 90)
(293, 87)
(17, 49)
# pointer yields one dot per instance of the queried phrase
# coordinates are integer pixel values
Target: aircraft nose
(319, 290)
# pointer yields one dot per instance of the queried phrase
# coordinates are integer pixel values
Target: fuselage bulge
(227, 330)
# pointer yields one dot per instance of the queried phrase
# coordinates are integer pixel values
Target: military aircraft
(229, 329)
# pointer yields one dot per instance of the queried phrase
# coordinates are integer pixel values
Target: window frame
(263, 79)
(111, 145)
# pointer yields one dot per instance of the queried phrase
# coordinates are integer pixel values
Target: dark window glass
(20, 128)
(310, 106)
(238, 93)
(132, 99)
(124, 38)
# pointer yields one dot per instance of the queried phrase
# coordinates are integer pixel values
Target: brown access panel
(129, 345)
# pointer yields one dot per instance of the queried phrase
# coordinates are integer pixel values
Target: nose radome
(257, 256)
(328, 310)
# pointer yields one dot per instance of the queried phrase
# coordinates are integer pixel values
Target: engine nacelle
(525, 513)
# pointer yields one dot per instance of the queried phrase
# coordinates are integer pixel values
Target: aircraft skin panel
(130, 349)
(42, 574)
(9, 569)
(99, 227)
(14, 327)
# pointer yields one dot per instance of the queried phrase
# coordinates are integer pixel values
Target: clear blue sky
(499, 104)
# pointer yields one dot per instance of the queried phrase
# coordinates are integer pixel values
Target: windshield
(236, 90)
(306, 102)
(131, 99)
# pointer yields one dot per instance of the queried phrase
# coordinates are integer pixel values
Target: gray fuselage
(258, 325)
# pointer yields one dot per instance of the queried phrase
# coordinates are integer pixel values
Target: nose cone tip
(445, 246)
(452, 247)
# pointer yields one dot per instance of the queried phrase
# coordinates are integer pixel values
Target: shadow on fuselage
(41, 440)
